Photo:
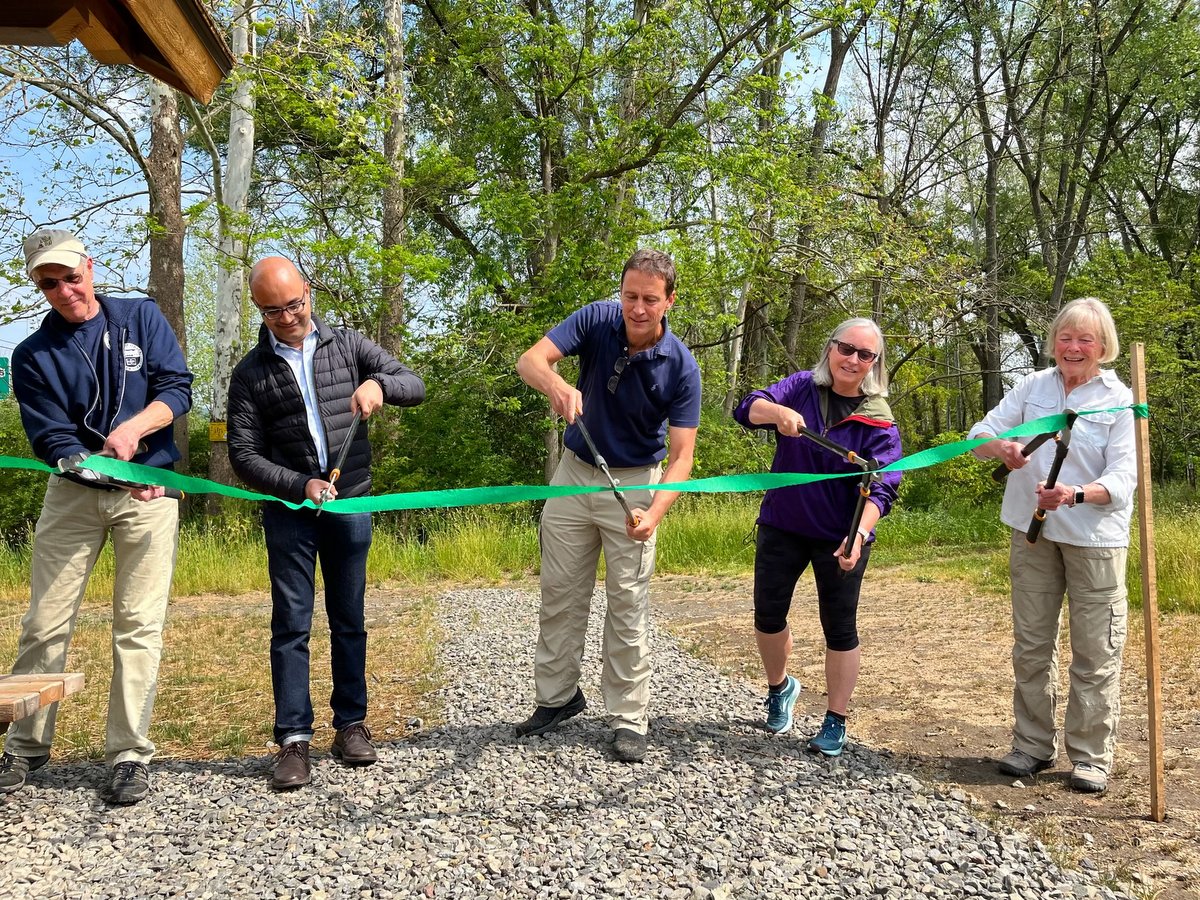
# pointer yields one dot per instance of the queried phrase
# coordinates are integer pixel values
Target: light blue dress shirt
(301, 362)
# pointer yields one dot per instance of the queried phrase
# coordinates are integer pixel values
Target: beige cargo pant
(70, 533)
(1093, 578)
(573, 532)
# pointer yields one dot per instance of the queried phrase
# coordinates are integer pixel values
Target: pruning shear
(870, 475)
(603, 467)
(1063, 445)
(1001, 471)
(339, 461)
(69, 465)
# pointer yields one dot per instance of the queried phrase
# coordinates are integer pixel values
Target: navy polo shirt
(657, 386)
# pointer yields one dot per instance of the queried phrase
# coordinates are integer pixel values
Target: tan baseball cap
(53, 247)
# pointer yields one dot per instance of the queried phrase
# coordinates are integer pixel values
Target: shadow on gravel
(576, 767)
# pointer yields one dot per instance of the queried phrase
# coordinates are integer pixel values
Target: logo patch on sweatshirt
(133, 357)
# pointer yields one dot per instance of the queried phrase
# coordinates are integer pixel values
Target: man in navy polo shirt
(638, 384)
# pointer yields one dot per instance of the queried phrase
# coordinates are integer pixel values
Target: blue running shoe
(780, 705)
(831, 739)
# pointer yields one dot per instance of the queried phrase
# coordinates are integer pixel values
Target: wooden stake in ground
(1137, 368)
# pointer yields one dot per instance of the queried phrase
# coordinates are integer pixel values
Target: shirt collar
(277, 344)
(662, 347)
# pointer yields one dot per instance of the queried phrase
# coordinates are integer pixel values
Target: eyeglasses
(49, 284)
(618, 368)
(271, 313)
(849, 350)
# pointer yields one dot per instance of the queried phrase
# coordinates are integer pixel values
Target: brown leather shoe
(292, 767)
(352, 745)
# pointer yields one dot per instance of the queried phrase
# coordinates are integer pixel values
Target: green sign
(5, 377)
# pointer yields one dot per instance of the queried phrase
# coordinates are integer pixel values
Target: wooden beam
(1137, 369)
(185, 45)
(23, 695)
(173, 40)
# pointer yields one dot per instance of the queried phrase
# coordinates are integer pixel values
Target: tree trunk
(393, 318)
(167, 229)
(840, 42)
(735, 350)
(232, 242)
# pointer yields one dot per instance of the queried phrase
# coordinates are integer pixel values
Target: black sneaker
(130, 783)
(15, 769)
(628, 745)
(547, 718)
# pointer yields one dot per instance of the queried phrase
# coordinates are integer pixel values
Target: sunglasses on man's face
(849, 350)
(49, 284)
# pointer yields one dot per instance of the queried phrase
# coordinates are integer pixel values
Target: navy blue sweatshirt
(63, 408)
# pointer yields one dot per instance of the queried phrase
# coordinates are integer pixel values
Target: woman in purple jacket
(842, 399)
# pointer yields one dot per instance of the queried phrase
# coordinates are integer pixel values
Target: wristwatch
(1078, 495)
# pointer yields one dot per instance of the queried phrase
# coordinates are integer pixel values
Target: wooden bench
(23, 695)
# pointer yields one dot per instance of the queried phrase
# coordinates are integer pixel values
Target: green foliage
(1161, 311)
(961, 481)
(21, 491)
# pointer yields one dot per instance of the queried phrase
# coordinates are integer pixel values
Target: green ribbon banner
(479, 496)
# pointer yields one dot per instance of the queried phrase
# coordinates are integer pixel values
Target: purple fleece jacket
(822, 509)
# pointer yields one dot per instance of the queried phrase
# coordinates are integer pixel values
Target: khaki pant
(1093, 579)
(573, 532)
(70, 532)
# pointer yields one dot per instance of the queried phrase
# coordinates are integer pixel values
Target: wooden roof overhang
(176, 41)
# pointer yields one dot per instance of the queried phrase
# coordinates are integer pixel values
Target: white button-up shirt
(1101, 452)
(300, 359)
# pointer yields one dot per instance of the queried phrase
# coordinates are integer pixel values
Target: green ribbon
(479, 496)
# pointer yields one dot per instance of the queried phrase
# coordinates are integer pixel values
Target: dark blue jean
(295, 539)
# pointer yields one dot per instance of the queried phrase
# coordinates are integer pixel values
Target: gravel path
(719, 809)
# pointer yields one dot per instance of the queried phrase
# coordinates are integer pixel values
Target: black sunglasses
(49, 284)
(849, 350)
(618, 368)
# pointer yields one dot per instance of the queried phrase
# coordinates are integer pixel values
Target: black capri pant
(779, 560)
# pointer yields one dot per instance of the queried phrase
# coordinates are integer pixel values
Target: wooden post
(1137, 368)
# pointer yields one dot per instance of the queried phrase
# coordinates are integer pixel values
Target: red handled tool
(339, 461)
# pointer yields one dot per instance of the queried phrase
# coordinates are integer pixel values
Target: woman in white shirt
(1080, 552)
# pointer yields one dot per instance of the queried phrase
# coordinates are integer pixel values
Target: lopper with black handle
(1063, 439)
(603, 467)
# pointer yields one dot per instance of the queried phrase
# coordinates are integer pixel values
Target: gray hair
(652, 262)
(1088, 313)
(876, 382)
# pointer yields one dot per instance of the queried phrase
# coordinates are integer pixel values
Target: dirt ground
(935, 693)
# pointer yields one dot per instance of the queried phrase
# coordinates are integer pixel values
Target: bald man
(292, 402)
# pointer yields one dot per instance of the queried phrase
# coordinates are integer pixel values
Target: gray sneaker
(1020, 764)
(15, 769)
(1089, 779)
(130, 783)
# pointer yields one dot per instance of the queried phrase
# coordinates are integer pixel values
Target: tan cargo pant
(70, 533)
(573, 532)
(1093, 579)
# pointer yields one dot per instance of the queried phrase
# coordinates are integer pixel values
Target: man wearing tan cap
(100, 375)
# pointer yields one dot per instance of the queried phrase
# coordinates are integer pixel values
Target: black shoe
(293, 768)
(547, 718)
(130, 783)
(15, 769)
(628, 745)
